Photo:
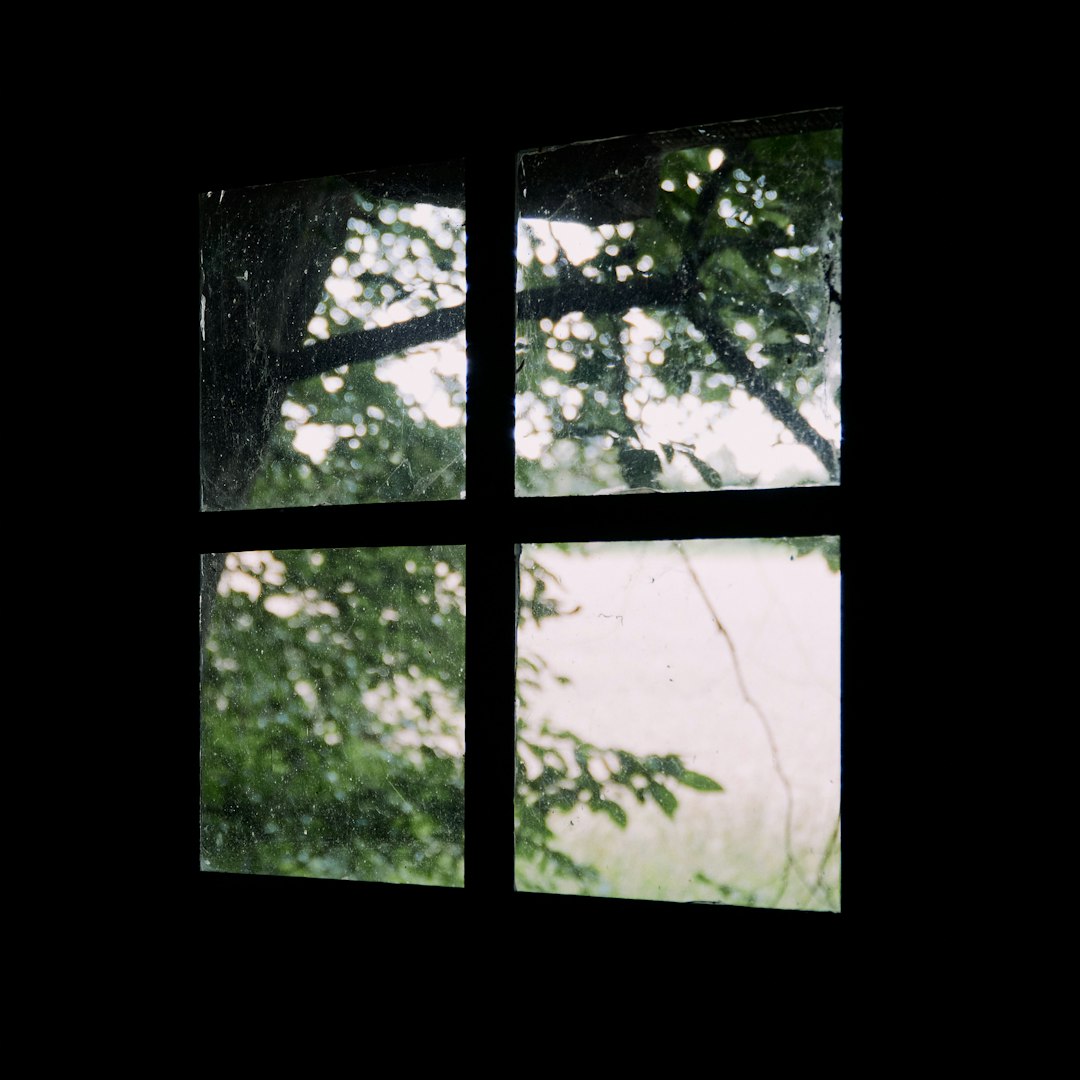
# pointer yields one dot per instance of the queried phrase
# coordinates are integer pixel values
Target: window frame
(491, 521)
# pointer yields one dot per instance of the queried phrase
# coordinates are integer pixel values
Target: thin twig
(790, 862)
(758, 384)
(825, 856)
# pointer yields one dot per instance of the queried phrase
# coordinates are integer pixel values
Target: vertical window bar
(489, 837)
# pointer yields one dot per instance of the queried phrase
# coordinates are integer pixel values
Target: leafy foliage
(333, 693)
(829, 546)
(333, 681)
(557, 772)
(733, 291)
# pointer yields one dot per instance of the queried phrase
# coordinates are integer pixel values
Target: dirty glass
(679, 721)
(679, 303)
(333, 340)
(333, 714)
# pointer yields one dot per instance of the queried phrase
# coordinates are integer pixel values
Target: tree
(639, 338)
(333, 677)
(287, 355)
(718, 293)
(265, 256)
(711, 265)
(266, 376)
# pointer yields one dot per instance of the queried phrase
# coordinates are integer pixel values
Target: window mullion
(490, 554)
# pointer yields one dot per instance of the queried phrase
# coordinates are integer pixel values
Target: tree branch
(757, 383)
(707, 200)
(611, 299)
(581, 294)
(365, 346)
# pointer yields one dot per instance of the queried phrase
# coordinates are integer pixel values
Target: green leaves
(699, 781)
(331, 716)
(750, 239)
(613, 811)
(827, 546)
(558, 772)
(663, 798)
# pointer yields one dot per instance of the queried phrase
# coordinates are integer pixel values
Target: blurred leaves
(699, 782)
(391, 430)
(557, 772)
(754, 234)
(333, 680)
(333, 690)
(827, 546)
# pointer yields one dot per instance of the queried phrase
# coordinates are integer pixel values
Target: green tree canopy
(333, 715)
(696, 345)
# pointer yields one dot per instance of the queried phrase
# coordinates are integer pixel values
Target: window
(490, 521)
(333, 370)
(679, 330)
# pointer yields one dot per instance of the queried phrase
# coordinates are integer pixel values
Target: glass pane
(333, 341)
(679, 311)
(333, 714)
(679, 721)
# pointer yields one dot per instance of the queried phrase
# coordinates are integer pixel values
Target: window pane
(333, 345)
(333, 715)
(679, 721)
(679, 311)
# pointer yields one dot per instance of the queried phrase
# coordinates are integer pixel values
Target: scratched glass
(679, 305)
(679, 721)
(333, 340)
